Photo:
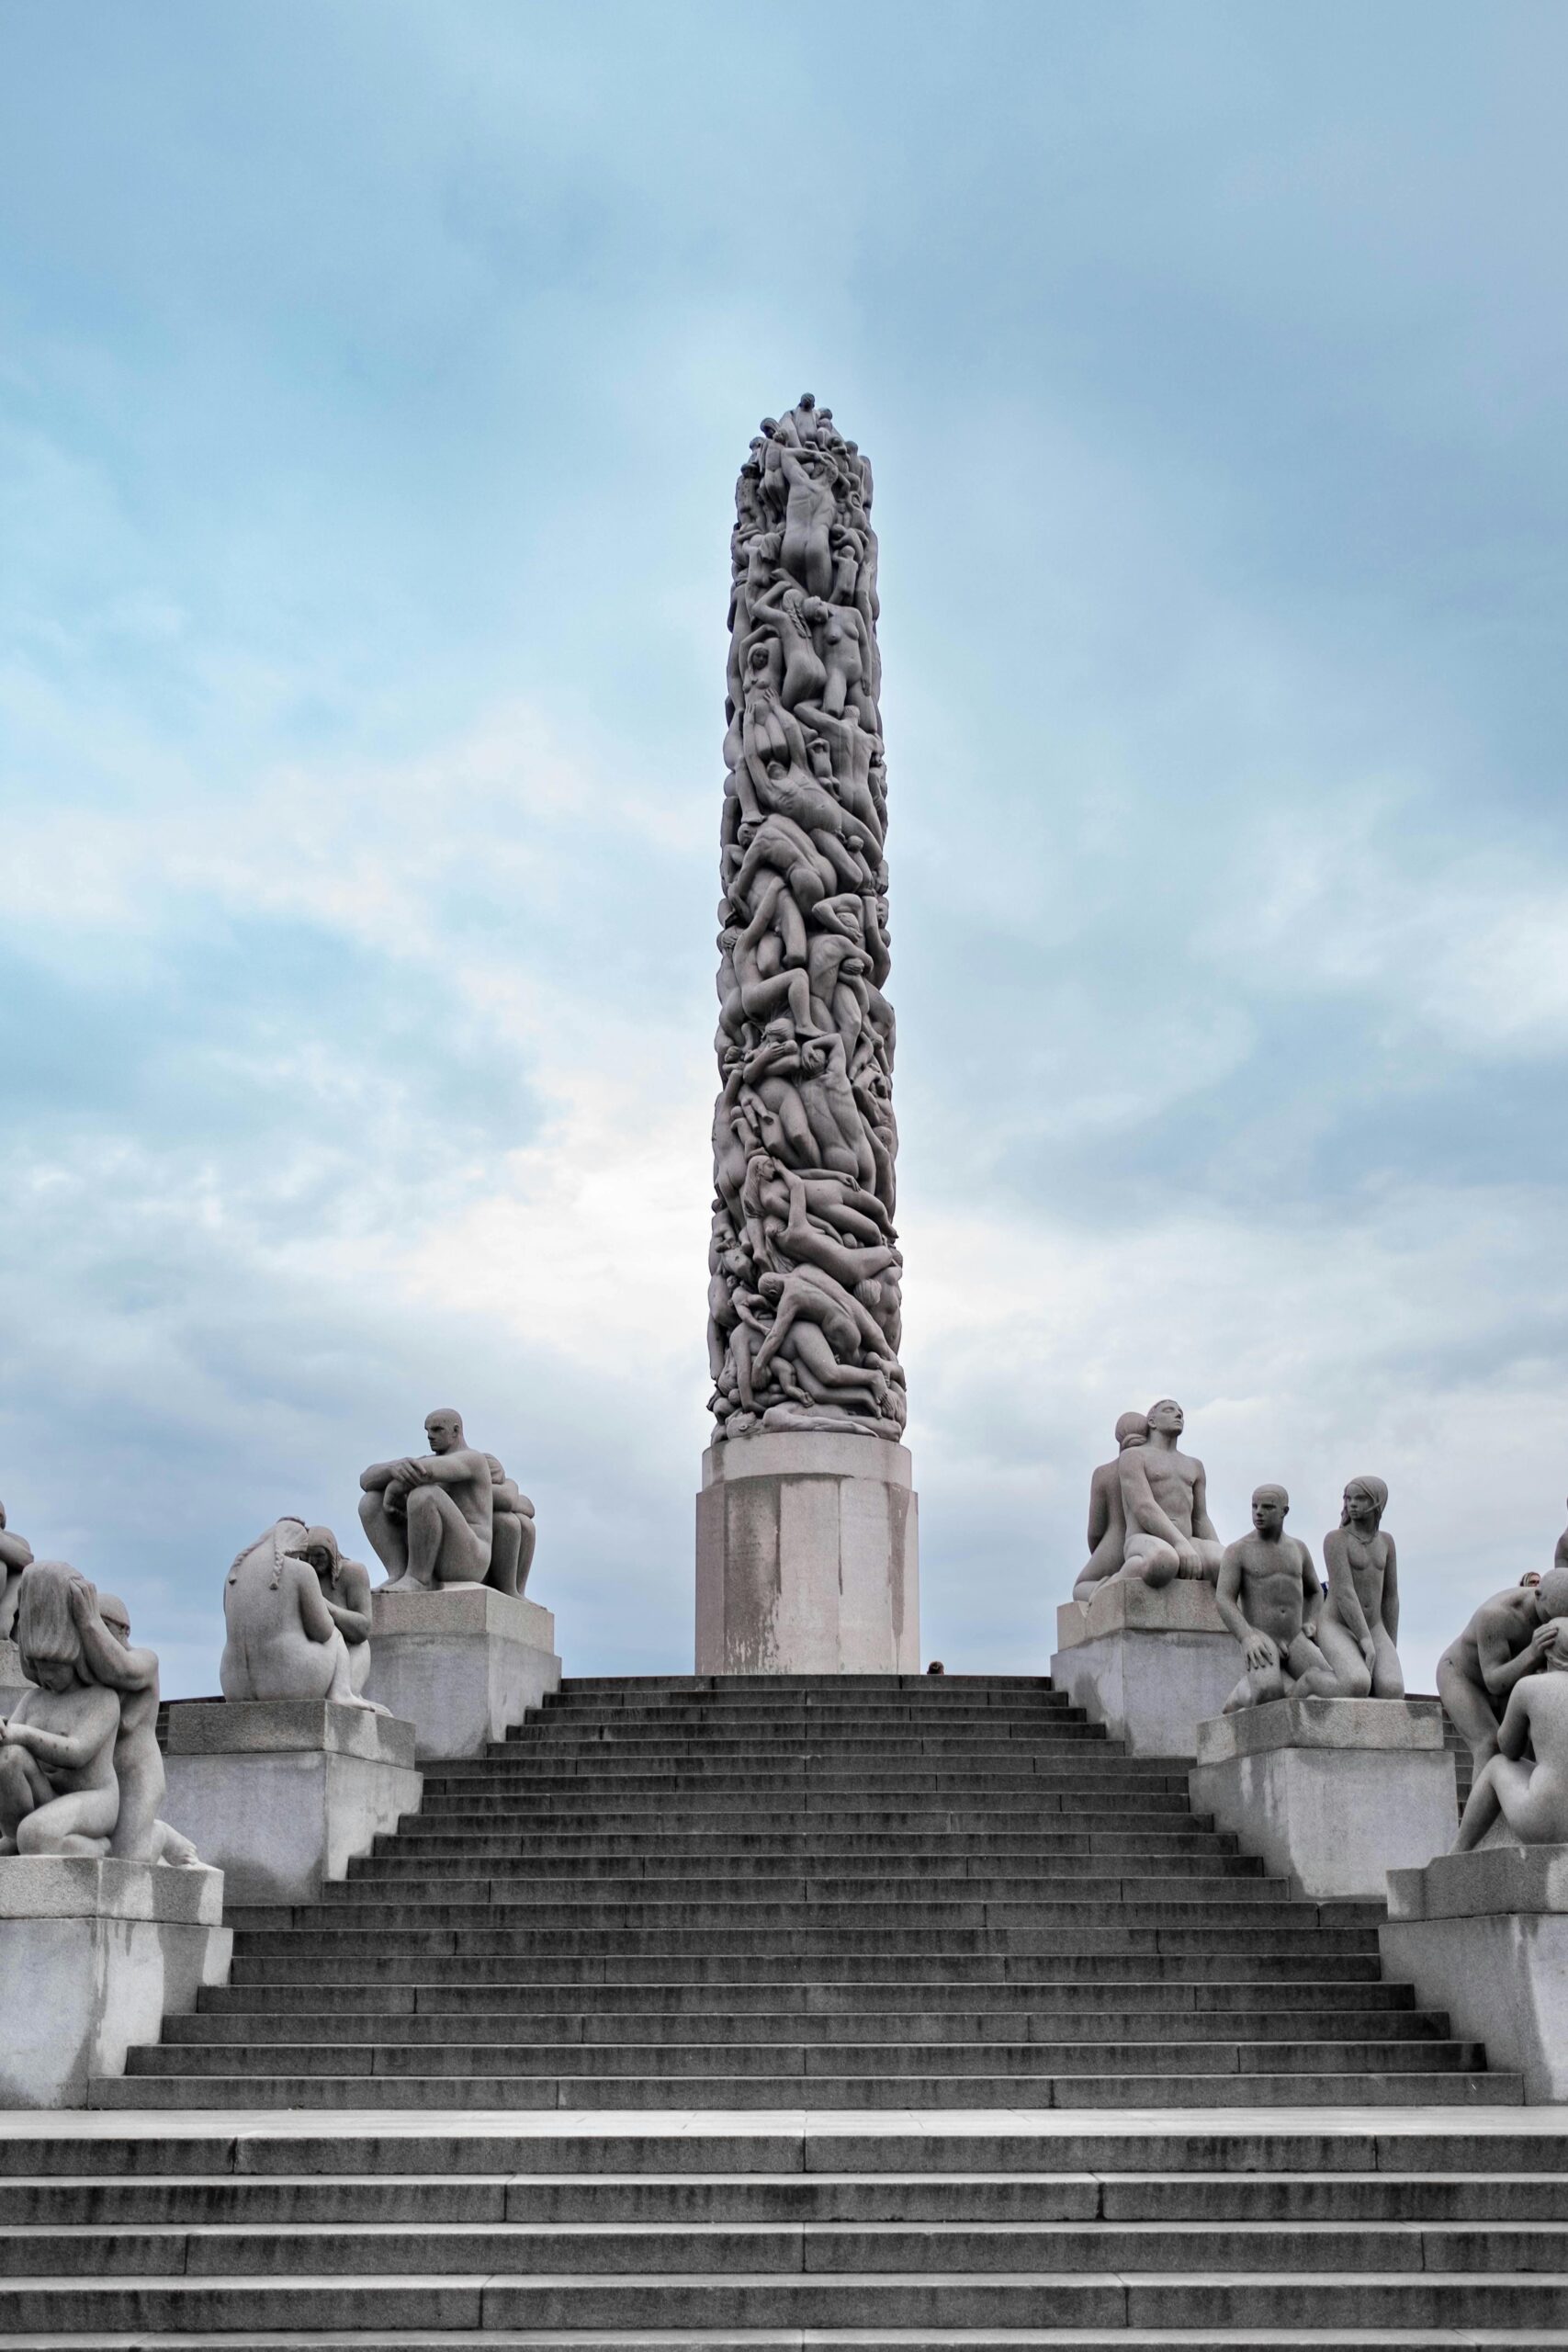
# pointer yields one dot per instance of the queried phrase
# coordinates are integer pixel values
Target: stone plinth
(94, 1956)
(13, 1681)
(807, 1556)
(1485, 1937)
(1333, 1794)
(1148, 1664)
(282, 1794)
(462, 1664)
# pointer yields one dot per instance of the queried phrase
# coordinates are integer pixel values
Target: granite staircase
(768, 2014)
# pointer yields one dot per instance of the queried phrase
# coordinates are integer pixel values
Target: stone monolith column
(806, 1550)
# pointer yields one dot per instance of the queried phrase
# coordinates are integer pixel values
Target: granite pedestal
(1147, 1663)
(13, 1681)
(282, 1794)
(1332, 1792)
(462, 1664)
(807, 1556)
(94, 1955)
(1484, 1935)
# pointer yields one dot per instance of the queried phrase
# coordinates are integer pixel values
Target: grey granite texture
(448, 1517)
(1522, 1791)
(1358, 1625)
(94, 1955)
(1485, 1937)
(807, 1556)
(1149, 1662)
(1415, 1725)
(804, 1323)
(13, 1681)
(281, 1640)
(1505, 1640)
(462, 1664)
(1269, 1597)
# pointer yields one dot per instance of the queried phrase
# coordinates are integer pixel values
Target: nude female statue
(1532, 1798)
(346, 1587)
(59, 1792)
(1359, 1623)
(282, 1642)
(103, 1625)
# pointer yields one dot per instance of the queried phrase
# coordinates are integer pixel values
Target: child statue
(58, 1791)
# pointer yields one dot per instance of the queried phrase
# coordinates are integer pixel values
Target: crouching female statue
(58, 1790)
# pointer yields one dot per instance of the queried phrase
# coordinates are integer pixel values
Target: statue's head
(116, 1616)
(318, 1546)
(47, 1638)
(1270, 1506)
(807, 401)
(1131, 1429)
(1365, 1498)
(771, 1288)
(1166, 1417)
(444, 1428)
(1550, 1594)
(770, 426)
(1557, 1655)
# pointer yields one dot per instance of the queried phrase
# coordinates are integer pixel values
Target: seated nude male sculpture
(1359, 1623)
(431, 1517)
(1507, 1638)
(1165, 1499)
(282, 1642)
(514, 1533)
(58, 1793)
(1107, 1520)
(103, 1626)
(16, 1553)
(1532, 1798)
(1268, 1595)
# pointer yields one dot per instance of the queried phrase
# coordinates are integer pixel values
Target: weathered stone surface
(1485, 1937)
(462, 1664)
(13, 1681)
(283, 1793)
(1333, 1794)
(94, 1955)
(1495, 1878)
(807, 1556)
(1147, 1662)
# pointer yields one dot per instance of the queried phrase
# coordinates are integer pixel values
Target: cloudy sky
(372, 384)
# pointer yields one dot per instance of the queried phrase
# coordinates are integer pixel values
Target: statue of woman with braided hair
(1359, 1625)
(58, 1790)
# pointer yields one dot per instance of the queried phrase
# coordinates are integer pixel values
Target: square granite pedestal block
(1484, 1935)
(1333, 1793)
(462, 1664)
(94, 1956)
(282, 1794)
(1149, 1665)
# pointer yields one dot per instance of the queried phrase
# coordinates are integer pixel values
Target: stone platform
(282, 1794)
(463, 1664)
(1149, 1664)
(1486, 1935)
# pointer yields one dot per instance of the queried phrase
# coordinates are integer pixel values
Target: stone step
(1301, 1961)
(419, 1838)
(526, 1996)
(577, 1815)
(1239, 1903)
(758, 1874)
(327, 1947)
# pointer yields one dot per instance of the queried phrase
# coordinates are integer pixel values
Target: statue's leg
(1310, 1671)
(80, 1823)
(1482, 1806)
(171, 1847)
(505, 1543)
(22, 1787)
(529, 1530)
(1151, 1559)
(140, 1767)
(443, 1547)
(388, 1533)
(1469, 1709)
(1211, 1554)
(10, 1593)
(1388, 1675)
(358, 1665)
(1348, 1668)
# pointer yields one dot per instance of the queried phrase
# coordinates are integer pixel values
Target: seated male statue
(59, 1792)
(514, 1533)
(345, 1589)
(1107, 1520)
(1268, 1595)
(103, 1626)
(1507, 1638)
(1165, 1502)
(282, 1642)
(1532, 1798)
(431, 1517)
(16, 1553)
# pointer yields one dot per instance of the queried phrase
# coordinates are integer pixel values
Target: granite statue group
(803, 1302)
(1502, 1683)
(81, 1771)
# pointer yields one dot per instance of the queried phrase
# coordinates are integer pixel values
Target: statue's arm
(1391, 1592)
(71, 1751)
(1513, 1738)
(1202, 1526)
(462, 1469)
(315, 1617)
(378, 1476)
(1311, 1592)
(118, 1669)
(16, 1552)
(1227, 1594)
(1098, 1512)
(1501, 1664)
(350, 1615)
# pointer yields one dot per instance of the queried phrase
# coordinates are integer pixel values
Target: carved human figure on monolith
(1268, 1595)
(1530, 1797)
(1107, 1517)
(1165, 1504)
(1506, 1639)
(1358, 1625)
(59, 1792)
(282, 1642)
(103, 1626)
(16, 1553)
(431, 1517)
(346, 1587)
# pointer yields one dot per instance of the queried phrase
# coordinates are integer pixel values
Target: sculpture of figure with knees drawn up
(16, 1553)
(1107, 1518)
(448, 1517)
(1165, 1504)
(1358, 1625)
(1268, 1595)
(58, 1791)
(345, 1589)
(1530, 1797)
(1507, 1638)
(514, 1533)
(282, 1642)
(103, 1625)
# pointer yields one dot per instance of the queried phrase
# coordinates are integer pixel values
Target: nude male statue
(1268, 1595)
(103, 1627)
(58, 1793)
(1165, 1499)
(1107, 1519)
(1507, 1638)
(282, 1642)
(1531, 1798)
(431, 1517)
(16, 1553)
(345, 1589)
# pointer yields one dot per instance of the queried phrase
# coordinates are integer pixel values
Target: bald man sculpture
(1269, 1597)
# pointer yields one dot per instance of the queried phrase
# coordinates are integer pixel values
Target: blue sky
(372, 385)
